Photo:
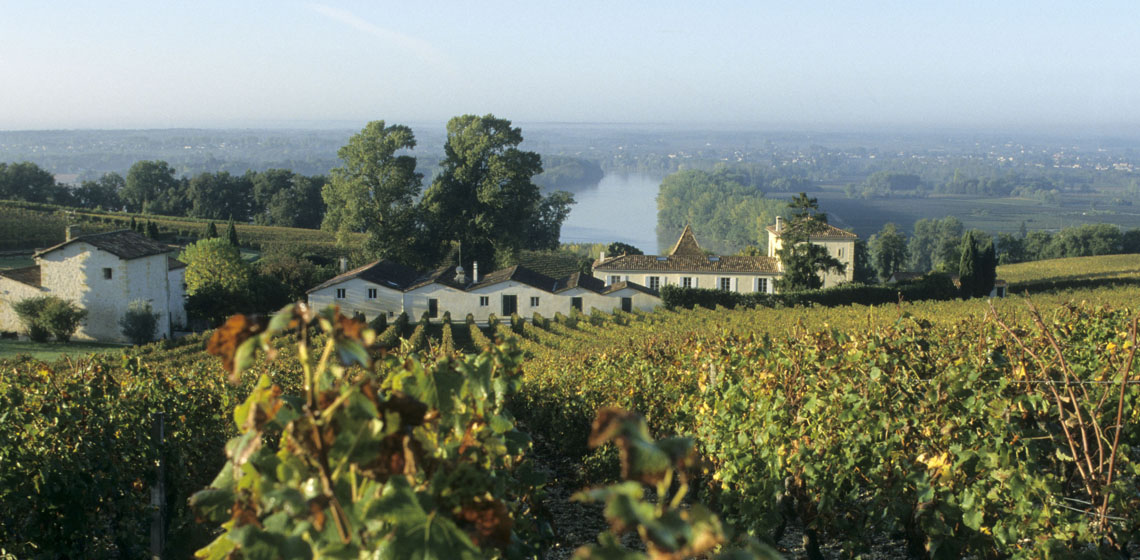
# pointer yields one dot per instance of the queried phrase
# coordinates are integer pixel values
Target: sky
(157, 64)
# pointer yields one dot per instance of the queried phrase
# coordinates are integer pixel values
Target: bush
(62, 318)
(139, 323)
(930, 287)
(47, 316)
(29, 311)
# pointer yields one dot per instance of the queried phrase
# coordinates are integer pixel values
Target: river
(621, 207)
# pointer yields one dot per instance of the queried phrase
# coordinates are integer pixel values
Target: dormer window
(107, 273)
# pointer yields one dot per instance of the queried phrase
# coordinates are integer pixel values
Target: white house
(688, 266)
(838, 242)
(378, 287)
(102, 273)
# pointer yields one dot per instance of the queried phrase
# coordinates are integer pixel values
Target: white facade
(104, 284)
(501, 293)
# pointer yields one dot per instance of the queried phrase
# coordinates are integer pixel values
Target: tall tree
(103, 193)
(888, 251)
(26, 181)
(284, 198)
(220, 195)
(968, 273)
(485, 194)
(804, 262)
(987, 271)
(231, 233)
(374, 192)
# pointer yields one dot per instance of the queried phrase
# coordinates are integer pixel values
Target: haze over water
(622, 207)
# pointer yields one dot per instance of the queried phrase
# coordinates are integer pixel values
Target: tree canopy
(374, 191)
(804, 262)
(888, 251)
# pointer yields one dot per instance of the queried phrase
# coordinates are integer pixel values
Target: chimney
(779, 224)
(343, 265)
(70, 232)
(475, 272)
(602, 256)
(460, 277)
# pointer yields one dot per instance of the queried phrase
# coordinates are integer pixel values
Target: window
(371, 293)
(726, 284)
(106, 274)
(686, 281)
(534, 301)
(762, 285)
(484, 301)
(576, 303)
(433, 308)
(614, 279)
(340, 293)
(841, 252)
(653, 282)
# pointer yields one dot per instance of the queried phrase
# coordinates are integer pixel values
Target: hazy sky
(144, 64)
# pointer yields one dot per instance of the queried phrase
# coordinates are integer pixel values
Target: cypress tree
(211, 230)
(968, 273)
(231, 233)
(987, 269)
(134, 224)
(151, 230)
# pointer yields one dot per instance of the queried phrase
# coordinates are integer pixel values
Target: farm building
(387, 288)
(102, 273)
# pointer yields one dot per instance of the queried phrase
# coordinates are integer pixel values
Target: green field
(52, 351)
(1076, 268)
(994, 215)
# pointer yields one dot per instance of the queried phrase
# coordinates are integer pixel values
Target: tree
(231, 233)
(864, 272)
(103, 193)
(151, 230)
(546, 227)
(804, 262)
(619, 248)
(485, 195)
(888, 251)
(283, 198)
(374, 192)
(211, 230)
(139, 323)
(49, 315)
(969, 275)
(26, 181)
(987, 271)
(217, 279)
(218, 195)
(147, 181)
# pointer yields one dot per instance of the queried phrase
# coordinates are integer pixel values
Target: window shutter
(736, 284)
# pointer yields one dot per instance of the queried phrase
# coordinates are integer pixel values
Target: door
(627, 304)
(576, 303)
(433, 308)
(510, 305)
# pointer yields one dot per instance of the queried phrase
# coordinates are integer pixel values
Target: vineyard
(25, 225)
(1072, 269)
(950, 428)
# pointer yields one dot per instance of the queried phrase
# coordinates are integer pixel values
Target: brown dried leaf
(492, 523)
(410, 409)
(228, 337)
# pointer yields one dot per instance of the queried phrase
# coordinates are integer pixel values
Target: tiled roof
(29, 275)
(726, 264)
(687, 256)
(124, 243)
(519, 274)
(579, 280)
(618, 286)
(443, 275)
(384, 273)
(828, 231)
(686, 245)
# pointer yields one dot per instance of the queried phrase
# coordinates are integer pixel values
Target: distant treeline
(726, 206)
(935, 245)
(276, 197)
(1046, 187)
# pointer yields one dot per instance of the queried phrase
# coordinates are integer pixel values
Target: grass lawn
(51, 351)
(1076, 268)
